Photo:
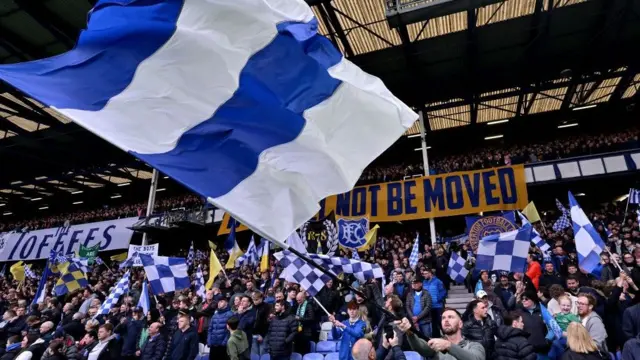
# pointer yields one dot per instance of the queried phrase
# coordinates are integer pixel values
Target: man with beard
(452, 346)
(282, 331)
(480, 327)
(591, 320)
(550, 276)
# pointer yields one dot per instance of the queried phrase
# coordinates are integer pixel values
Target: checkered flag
(191, 256)
(297, 270)
(29, 273)
(129, 262)
(82, 264)
(354, 255)
(200, 290)
(165, 274)
(536, 239)
(250, 257)
(457, 272)
(121, 287)
(99, 260)
(589, 244)
(564, 221)
(413, 258)
(505, 251)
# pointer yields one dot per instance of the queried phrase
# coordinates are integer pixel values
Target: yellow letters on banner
(459, 193)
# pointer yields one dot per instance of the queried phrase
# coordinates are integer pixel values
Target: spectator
(184, 343)
(452, 346)
(74, 327)
(533, 270)
(261, 324)
(238, 345)
(438, 295)
(88, 342)
(591, 320)
(581, 345)
(282, 331)
(129, 329)
(69, 348)
(511, 343)
(418, 305)
(533, 323)
(348, 331)
(55, 351)
(155, 345)
(361, 346)
(480, 327)
(305, 317)
(246, 315)
(218, 334)
(13, 348)
(108, 346)
(25, 353)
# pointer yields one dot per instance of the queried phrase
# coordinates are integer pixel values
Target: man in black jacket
(184, 344)
(75, 328)
(155, 346)
(480, 327)
(550, 276)
(261, 325)
(282, 331)
(329, 297)
(512, 343)
(304, 315)
(533, 323)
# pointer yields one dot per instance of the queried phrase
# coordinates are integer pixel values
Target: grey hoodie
(594, 325)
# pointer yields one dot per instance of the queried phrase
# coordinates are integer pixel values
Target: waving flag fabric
(634, 196)
(589, 244)
(505, 251)
(415, 254)
(121, 287)
(144, 302)
(165, 274)
(536, 239)
(242, 101)
(457, 270)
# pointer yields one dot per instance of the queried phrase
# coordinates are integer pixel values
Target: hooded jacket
(594, 325)
(512, 344)
(238, 346)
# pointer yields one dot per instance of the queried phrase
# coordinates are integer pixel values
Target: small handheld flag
(589, 244)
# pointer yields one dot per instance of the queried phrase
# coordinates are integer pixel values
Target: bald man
(363, 349)
(452, 346)
(155, 346)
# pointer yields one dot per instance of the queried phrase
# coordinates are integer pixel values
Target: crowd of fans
(248, 312)
(105, 213)
(510, 155)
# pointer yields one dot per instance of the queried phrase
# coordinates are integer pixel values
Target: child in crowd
(565, 316)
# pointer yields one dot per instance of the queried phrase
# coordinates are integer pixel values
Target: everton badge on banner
(351, 232)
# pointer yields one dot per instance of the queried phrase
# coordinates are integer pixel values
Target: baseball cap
(480, 294)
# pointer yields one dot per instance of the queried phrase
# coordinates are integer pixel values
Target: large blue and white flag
(242, 101)
(41, 293)
(250, 257)
(563, 221)
(145, 302)
(634, 196)
(505, 251)
(589, 244)
(165, 274)
(199, 284)
(191, 256)
(121, 287)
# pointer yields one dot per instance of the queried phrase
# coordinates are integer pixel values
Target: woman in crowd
(581, 345)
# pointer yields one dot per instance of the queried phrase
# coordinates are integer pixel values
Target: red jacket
(534, 272)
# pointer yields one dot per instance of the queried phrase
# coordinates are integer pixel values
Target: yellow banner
(459, 193)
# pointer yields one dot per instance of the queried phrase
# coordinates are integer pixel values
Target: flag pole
(151, 202)
(425, 162)
(624, 216)
(321, 306)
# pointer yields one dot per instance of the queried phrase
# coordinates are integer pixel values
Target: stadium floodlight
(77, 192)
(498, 122)
(125, 184)
(78, 202)
(622, 198)
(420, 149)
(36, 199)
(567, 125)
(7, 213)
(43, 208)
(580, 194)
(3, 204)
(116, 196)
(163, 189)
(584, 107)
(16, 182)
(41, 177)
(413, 136)
(494, 137)
(165, 177)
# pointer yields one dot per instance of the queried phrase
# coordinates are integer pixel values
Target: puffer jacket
(218, 334)
(436, 290)
(425, 299)
(70, 350)
(282, 330)
(512, 344)
(483, 332)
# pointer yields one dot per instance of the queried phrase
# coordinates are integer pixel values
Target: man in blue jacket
(184, 344)
(155, 346)
(218, 334)
(438, 293)
(129, 329)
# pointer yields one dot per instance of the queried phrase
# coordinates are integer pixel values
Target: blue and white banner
(459, 238)
(351, 232)
(34, 245)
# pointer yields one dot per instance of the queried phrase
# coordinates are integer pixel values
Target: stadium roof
(463, 64)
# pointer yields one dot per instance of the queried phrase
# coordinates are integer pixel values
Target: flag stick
(322, 307)
(615, 262)
(626, 208)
